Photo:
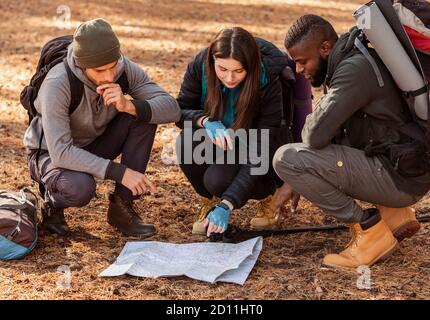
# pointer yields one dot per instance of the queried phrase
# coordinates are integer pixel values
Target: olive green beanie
(95, 44)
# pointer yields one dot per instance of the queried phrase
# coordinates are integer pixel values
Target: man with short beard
(347, 141)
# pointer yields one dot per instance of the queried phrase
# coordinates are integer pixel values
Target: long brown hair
(240, 45)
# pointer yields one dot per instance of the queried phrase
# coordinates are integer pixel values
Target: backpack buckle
(14, 233)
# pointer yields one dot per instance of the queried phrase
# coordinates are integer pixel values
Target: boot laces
(357, 237)
(133, 212)
(263, 208)
(50, 212)
(204, 208)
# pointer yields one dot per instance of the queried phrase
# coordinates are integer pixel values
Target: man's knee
(147, 128)
(288, 160)
(150, 128)
(75, 189)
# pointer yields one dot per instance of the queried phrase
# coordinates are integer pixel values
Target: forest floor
(163, 36)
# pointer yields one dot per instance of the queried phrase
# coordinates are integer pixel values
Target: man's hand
(137, 182)
(285, 194)
(113, 95)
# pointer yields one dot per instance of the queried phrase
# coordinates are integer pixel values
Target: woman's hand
(218, 133)
(217, 219)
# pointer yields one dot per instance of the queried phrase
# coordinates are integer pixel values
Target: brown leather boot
(266, 217)
(53, 220)
(123, 217)
(199, 224)
(372, 241)
(401, 221)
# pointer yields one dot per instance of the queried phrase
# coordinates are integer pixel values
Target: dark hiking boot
(122, 216)
(53, 220)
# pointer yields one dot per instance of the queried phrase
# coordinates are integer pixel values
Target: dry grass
(163, 36)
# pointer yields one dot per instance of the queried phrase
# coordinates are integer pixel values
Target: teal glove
(219, 215)
(215, 129)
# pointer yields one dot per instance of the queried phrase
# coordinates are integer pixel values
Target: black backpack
(53, 53)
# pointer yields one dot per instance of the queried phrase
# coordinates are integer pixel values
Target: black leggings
(210, 180)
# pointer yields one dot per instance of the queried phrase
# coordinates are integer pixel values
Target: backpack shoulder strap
(360, 46)
(76, 89)
(287, 79)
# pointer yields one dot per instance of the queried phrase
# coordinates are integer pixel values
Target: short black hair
(310, 26)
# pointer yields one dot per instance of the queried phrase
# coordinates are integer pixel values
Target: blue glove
(215, 129)
(219, 215)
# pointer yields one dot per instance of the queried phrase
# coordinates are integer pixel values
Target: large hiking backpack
(53, 53)
(398, 31)
(402, 41)
(18, 223)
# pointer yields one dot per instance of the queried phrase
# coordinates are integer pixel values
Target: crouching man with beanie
(78, 147)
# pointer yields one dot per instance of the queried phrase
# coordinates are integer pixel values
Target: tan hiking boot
(205, 206)
(266, 215)
(372, 241)
(401, 221)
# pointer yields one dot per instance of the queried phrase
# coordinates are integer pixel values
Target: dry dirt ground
(163, 36)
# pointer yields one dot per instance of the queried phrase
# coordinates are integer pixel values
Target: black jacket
(269, 115)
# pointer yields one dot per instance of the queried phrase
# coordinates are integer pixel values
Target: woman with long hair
(233, 84)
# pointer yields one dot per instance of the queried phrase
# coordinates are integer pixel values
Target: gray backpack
(18, 223)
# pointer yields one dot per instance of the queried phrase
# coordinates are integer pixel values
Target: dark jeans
(210, 180)
(66, 188)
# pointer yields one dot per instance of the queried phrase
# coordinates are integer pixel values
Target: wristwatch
(223, 205)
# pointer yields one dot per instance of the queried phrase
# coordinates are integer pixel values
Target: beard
(321, 73)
